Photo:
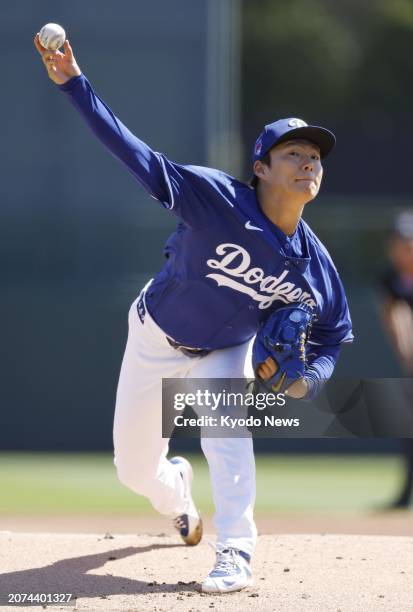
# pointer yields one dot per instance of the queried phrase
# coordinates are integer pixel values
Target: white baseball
(52, 36)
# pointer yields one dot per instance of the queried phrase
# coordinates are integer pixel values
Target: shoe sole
(195, 536)
(229, 590)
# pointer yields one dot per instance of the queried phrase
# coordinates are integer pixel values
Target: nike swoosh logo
(249, 226)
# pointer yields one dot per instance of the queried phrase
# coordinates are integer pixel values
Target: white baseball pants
(140, 450)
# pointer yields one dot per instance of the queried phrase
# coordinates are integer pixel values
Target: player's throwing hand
(61, 67)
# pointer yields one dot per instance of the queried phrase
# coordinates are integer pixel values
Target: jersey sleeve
(334, 326)
(321, 363)
(182, 189)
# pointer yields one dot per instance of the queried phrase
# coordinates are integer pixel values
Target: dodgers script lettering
(236, 263)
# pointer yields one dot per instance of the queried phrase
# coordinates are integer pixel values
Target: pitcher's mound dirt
(157, 573)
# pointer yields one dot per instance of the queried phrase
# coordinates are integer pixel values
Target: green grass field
(86, 483)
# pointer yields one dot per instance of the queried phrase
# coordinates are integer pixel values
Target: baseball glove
(283, 337)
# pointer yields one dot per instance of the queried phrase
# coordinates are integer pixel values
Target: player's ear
(259, 169)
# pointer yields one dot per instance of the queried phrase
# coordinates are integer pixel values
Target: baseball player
(397, 317)
(239, 253)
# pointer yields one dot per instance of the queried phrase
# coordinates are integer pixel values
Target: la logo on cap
(258, 147)
(297, 123)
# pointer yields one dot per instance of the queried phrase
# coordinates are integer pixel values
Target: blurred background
(79, 237)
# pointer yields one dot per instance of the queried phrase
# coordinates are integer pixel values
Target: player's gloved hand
(61, 67)
(279, 351)
(269, 367)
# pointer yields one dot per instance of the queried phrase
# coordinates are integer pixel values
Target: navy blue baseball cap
(289, 129)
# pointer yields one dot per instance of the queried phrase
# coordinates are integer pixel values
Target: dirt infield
(158, 573)
(396, 523)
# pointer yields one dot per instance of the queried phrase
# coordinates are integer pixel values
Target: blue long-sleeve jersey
(228, 267)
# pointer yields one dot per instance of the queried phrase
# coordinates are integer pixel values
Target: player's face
(295, 170)
(401, 254)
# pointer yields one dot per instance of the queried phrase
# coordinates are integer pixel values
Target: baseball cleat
(231, 572)
(188, 524)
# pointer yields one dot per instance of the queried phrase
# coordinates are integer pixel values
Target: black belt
(186, 350)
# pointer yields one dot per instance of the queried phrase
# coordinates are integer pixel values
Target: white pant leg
(231, 460)
(140, 450)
